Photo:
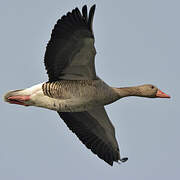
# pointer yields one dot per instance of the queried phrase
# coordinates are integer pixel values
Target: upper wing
(70, 52)
(96, 131)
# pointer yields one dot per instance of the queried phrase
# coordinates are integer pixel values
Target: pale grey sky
(137, 42)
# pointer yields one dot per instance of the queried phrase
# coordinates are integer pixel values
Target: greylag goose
(75, 91)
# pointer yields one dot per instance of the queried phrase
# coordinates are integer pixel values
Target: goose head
(151, 91)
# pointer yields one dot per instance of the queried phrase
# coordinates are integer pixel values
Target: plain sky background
(137, 42)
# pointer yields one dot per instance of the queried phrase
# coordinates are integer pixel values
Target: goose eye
(152, 87)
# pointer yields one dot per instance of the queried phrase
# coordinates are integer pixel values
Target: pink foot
(18, 100)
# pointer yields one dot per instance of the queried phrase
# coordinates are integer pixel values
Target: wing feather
(96, 131)
(70, 52)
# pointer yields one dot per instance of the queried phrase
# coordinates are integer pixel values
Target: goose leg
(18, 99)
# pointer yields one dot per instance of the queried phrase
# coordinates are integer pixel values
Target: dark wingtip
(91, 15)
(94, 6)
(91, 12)
(84, 12)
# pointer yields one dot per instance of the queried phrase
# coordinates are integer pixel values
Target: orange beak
(161, 94)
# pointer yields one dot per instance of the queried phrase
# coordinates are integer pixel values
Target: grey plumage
(96, 131)
(70, 52)
(69, 60)
(74, 90)
(96, 91)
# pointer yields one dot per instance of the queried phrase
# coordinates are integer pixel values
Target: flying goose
(75, 91)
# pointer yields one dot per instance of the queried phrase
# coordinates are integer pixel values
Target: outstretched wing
(96, 131)
(70, 52)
